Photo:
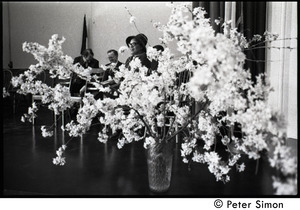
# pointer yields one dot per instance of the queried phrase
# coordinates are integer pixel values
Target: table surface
(103, 170)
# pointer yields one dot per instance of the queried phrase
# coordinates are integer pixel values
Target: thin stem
(164, 127)
(69, 140)
(132, 89)
(186, 133)
(147, 126)
(136, 27)
(263, 47)
(170, 128)
(95, 124)
(133, 21)
(56, 121)
(257, 61)
(215, 147)
(266, 41)
(188, 9)
(183, 127)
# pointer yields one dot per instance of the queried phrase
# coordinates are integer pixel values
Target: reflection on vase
(159, 160)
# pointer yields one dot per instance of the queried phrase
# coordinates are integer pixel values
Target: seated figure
(112, 67)
(86, 60)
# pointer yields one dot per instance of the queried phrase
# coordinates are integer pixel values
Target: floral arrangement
(237, 113)
(154, 108)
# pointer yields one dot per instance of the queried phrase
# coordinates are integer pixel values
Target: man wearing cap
(137, 46)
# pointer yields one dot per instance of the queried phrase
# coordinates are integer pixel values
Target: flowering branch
(184, 126)
(271, 40)
(132, 19)
(146, 124)
(263, 47)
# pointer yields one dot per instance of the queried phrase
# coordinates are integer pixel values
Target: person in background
(114, 64)
(137, 46)
(154, 63)
(77, 86)
(109, 74)
(85, 60)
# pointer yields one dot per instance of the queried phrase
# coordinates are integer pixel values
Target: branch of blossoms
(50, 59)
(31, 114)
(220, 78)
(257, 42)
(132, 19)
(60, 159)
(184, 126)
(59, 66)
(145, 124)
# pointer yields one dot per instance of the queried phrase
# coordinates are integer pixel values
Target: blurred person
(137, 45)
(109, 75)
(85, 60)
(154, 63)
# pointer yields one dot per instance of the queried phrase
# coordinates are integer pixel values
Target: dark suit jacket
(144, 60)
(94, 63)
(77, 83)
(110, 72)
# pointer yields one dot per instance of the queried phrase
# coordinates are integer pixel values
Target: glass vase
(159, 161)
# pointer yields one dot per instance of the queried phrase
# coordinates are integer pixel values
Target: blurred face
(88, 57)
(112, 57)
(135, 47)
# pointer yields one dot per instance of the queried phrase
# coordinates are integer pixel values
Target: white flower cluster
(132, 19)
(60, 160)
(220, 80)
(31, 114)
(84, 117)
(123, 49)
(50, 59)
(269, 36)
(208, 128)
(59, 99)
(45, 132)
(286, 164)
(288, 187)
(216, 165)
(152, 53)
(148, 142)
(187, 149)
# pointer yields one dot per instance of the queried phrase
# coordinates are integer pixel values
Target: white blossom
(45, 132)
(132, 19)
(60, 160)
